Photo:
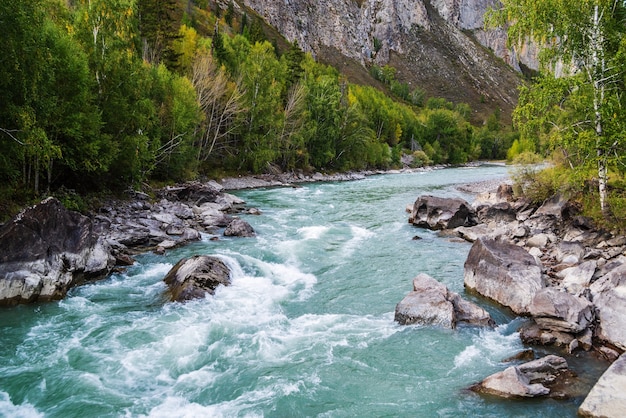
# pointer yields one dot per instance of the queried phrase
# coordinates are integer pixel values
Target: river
(305, 329)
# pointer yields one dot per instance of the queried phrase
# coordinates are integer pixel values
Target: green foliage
(230, 13)
(521, 146)
(103, 94)
(581, 112)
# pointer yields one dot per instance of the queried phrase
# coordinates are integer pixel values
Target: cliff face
(438, 45)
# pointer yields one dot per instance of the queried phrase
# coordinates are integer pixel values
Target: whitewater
(305, 330)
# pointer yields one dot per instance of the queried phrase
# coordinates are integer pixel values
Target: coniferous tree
(159, 27)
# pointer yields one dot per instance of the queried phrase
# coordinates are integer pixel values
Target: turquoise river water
(305, 330)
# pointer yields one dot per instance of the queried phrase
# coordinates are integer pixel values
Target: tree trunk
(597, 75)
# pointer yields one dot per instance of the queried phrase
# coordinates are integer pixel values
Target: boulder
(577, 278)
(532, 334)
(503, 272)
(46, 250)
(431, 303)
(196, 276)
(472, 233)
(538, 241)
(469, 313)
(556, 310)
(239, 228)
(438, 213)
(499, 212)
(569, 252)
(528, 380)
(608, 397)
(609, 297)
(557, 206)
(427, 304)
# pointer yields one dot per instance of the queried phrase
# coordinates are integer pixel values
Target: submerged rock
(503, 272)
(528, 380)
(442, 213)
(46, 250)
(607, 398)
(194, 277)
(431, 303)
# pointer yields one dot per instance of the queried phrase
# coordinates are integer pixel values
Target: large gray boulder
(609, 297)
(528, 380)
(195, 277)
(607, 399)
(503, 272)
(557, 310)
(431, 303)
(239, 228)
(442, 213)
(46, 250)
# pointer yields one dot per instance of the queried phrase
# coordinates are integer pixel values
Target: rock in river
(46, 250)
(441, 213)
(239, 228)
(528, 380)
(194, 277)
(431, 303)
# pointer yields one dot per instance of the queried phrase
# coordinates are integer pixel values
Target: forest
(103, 95)
(574, 111)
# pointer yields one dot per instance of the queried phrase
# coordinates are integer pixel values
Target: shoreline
(291, 179)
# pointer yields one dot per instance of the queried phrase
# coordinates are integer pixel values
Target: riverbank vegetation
(574, 111)
(102, 95)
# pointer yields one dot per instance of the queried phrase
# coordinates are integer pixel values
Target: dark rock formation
(441, 213)
(536, 378)
(503, 272)
(46, 250)
(194, 277)
(431, 303)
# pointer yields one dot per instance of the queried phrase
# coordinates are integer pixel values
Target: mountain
(437, 45)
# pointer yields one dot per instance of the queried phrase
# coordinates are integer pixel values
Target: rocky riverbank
(47, 249)
(550, 264)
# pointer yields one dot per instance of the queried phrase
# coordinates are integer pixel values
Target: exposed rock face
(528, 380)
(503, 272)
(609, 296)
(429, 42)
(194, 277)
(560, 311)
(431, 303)
(46, 250)
(607, 398)
(442, 213)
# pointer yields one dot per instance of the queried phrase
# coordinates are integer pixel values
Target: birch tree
(580, 41)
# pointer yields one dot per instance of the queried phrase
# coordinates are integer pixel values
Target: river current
(305, 329)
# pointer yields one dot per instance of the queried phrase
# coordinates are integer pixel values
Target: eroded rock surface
(431, 303)
(46, 250)
(195, 277)
(437, 213)
(528, 380)
(503, 272)
(607, 399)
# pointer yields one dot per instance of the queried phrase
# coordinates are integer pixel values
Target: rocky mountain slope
(437, 45)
